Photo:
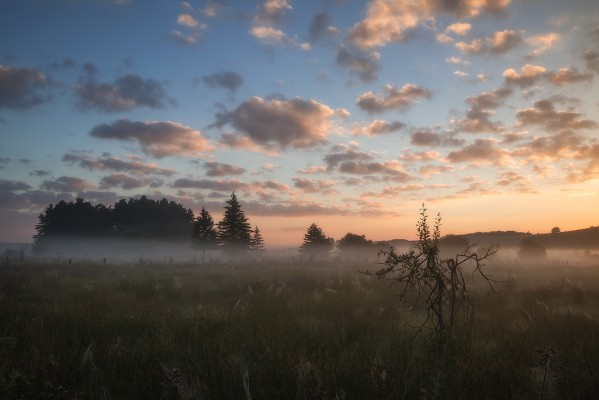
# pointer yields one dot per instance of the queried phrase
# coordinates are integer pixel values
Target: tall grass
(278, 331)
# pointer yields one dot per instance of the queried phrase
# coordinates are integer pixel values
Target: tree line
(144, 218)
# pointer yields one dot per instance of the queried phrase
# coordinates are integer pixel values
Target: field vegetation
(283, 329)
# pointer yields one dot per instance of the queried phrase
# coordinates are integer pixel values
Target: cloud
(22, 88)
(315, 186)
(293, 208)
(343, 153)
(6, 185)
(234, 141)
(389, 169)
(510, 178)
(156, 138)
(425, 137)
(459, 28)
(542, 43)
(482, 151)
(379, 127)
(394, 191)
(456, 60)
(529, 76)
(219, 185)
(567, 76)
(319, 27)
(408, 156)
(271, 12)
(267, 20)
(272, 185)
(126, 93)
(482, 107)
(489, 100)
(188, 21)
(134, 166)
(186, 39)
(40, 172)
(126, 182)
(563, 145)
(67, 184)
(430, 170)
(364, 65)
(295, 123)
(227, 79)
(214, 168)
(501, 42)
(543, 113)
(391, 21)
(398, 99)
(591, 59)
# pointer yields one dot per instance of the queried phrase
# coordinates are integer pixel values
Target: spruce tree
(204, 236)
(257, 242)
(234, 230)
(315, 241)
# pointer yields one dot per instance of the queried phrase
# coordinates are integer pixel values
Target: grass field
(280, 330)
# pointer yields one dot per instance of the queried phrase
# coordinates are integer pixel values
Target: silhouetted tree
(204, 236)
(141, 217)
(556, 230)
(234, 230)
(257, 242)
(79, 218)
(147, 218)
(315, 241)
(531, 249)
(440, 283)
(353, 240)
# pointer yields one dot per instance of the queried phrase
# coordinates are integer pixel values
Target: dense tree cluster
(148, 219)
(139, 218)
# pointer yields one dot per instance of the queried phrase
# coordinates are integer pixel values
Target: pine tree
(234, 230)
(315, 241)
(204, 236)
(257, 242)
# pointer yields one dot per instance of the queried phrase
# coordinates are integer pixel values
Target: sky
(347, 114)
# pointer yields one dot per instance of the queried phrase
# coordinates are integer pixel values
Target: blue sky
(350, 114)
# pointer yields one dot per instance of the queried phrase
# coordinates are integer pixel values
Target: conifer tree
(315, 241)
(257, 242)
(234, 230)
(204, 236)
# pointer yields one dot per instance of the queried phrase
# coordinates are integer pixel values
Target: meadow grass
(274, 330)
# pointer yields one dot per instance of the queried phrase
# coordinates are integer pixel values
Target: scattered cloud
(214, 168)
(459, 28)
(315, 186)
(134, 165)
(6, 185)
(219, 185)
(22, 88)
(156, 138)
(426, 137)
(391, 21)
(67, 184)
(501, 42)
(126, 93)
(393, 98)
(544, 114)
(295, 123)
(320, 27)
(542, 43)
(227, 79)
(127, 182)
(379, 127)
(363, 64)
(482, 151)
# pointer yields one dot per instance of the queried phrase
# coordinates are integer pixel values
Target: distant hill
(578, 239)
(583, 239)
